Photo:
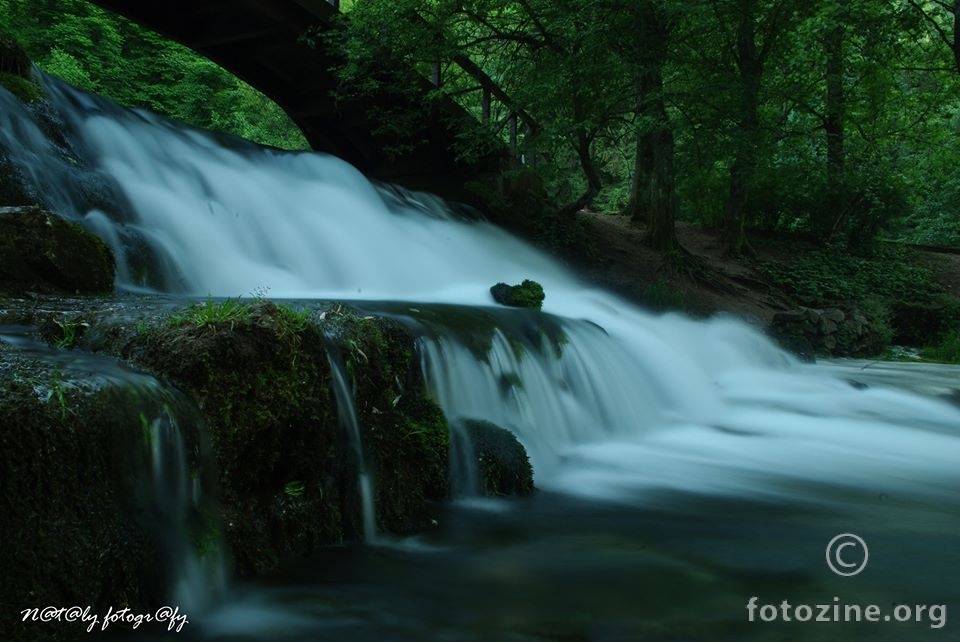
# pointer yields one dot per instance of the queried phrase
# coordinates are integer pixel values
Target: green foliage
(68, 337)
(877, 312)
(230, 312)
(293, 320)
(56, 392)
(101, 52)
(822, 277)
(294, 488)
(948, 351)
(25, 90)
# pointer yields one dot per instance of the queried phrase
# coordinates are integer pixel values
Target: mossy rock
(528, 294)
(263, 388)
(74, 464)
(288, 474)
(41, 252)
(502, 462)
(405, 435)
(24, 89)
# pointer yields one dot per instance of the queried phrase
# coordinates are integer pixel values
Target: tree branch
(947, 39)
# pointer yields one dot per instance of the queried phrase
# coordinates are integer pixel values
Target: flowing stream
(684, 466)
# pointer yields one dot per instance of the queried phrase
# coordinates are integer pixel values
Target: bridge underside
(261, 42)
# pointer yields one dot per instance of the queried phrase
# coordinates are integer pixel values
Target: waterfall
(199, 572)
(350, 424)
(623, 405)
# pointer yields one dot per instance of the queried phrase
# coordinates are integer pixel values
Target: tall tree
(754, 42)
(653, 195)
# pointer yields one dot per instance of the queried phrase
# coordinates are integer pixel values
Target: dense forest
(828, 121)
(98, 51)
(833, 117)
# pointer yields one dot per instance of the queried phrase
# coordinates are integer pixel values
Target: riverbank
(898, 295)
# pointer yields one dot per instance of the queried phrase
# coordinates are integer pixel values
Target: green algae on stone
(528, 294)
(263, 388)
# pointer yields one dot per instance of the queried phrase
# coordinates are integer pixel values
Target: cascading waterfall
(199, 575)
(627, 403)
(350, 424)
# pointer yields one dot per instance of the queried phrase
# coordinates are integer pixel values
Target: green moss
(501, 460)
(528, 294)
(73, 461)
(287, 473)
(405, 435)
(26, 90)
(263, 386)
(42, 252)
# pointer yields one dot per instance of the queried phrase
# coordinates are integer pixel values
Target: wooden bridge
(262, 42)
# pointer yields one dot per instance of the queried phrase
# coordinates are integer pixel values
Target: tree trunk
(956, 33)
(740, 201)
(653, 198)
(836, 107)
(584, 154)
(594, 184)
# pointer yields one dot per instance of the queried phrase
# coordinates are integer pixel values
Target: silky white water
(631, 403)
(347, 416)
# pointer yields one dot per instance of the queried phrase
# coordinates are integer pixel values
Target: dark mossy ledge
(78, 527)
(261, 381)
(43, 253)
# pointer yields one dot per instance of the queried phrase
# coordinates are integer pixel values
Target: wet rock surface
(502, 462)
(43, 253)
(833, 332)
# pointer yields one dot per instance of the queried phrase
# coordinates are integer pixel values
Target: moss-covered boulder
(41, 252)
(288, 472)
(405, 435)
(528, 294)
(265, 398)
(78, 525)
(502, 462)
